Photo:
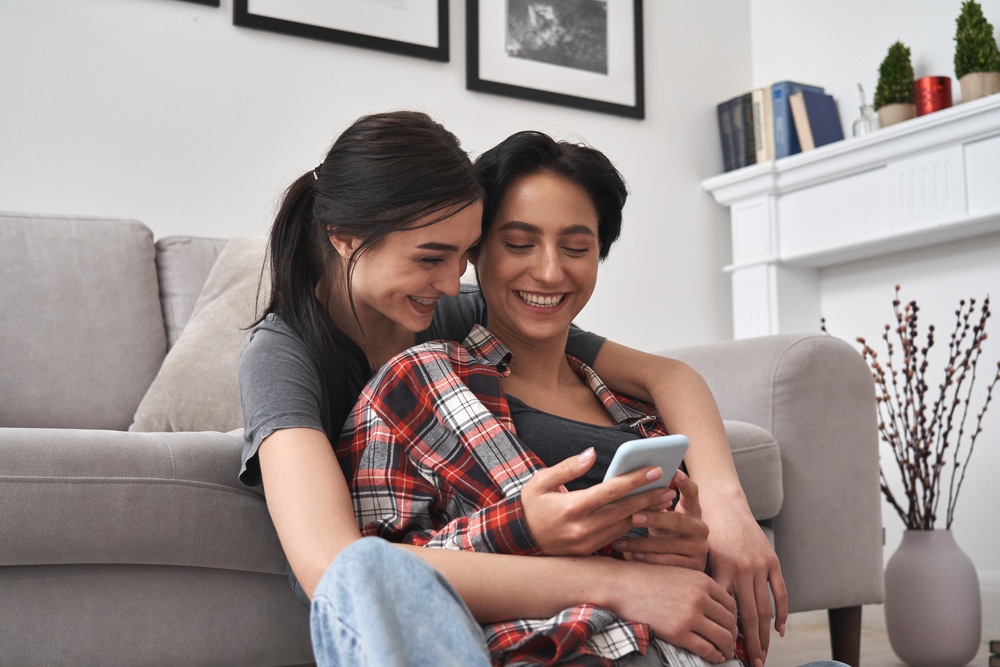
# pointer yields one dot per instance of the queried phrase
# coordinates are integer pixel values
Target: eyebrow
(518, 225)
(441, 247)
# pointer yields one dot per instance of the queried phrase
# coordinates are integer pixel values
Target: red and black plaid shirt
(432, 459)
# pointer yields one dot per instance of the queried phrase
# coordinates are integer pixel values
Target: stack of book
(776, 121)
(995, 653)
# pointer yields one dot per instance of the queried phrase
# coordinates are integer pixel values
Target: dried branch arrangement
(925, 428)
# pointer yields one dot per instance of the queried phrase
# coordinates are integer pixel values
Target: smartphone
(665, 451)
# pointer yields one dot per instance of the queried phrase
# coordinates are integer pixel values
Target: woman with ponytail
(366, 255)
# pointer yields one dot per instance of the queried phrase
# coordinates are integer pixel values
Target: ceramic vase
(891, 114)
(933, 612)
(979, 84)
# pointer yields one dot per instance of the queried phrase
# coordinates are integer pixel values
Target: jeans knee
(362, 560)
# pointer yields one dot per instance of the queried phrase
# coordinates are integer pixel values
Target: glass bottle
(866, 122)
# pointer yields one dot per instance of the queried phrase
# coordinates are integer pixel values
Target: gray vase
(933, 612)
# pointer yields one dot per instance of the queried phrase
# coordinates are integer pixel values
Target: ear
(344, 244)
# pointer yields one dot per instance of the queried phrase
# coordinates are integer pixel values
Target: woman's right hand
(684, 607)
(676, 537)
(576, 523)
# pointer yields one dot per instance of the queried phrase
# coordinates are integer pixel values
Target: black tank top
(553, 438)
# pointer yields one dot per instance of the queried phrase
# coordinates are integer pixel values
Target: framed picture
(578, 53)
(210, 3)
(408, 27)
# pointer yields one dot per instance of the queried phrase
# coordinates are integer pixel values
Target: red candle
(932, 93)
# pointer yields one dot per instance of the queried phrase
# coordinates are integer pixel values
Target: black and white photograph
(570, 33)
(586, 54)
(407, 27)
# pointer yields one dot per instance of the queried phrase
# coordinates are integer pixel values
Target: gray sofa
(125, 537)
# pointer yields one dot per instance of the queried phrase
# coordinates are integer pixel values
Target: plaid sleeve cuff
(497, 528)
(505, 528)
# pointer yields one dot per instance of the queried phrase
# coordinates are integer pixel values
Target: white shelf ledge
(922, 182)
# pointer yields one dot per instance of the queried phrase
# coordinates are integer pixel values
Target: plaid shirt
(432, 458)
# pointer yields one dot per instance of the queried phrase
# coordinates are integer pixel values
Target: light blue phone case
(665, 451)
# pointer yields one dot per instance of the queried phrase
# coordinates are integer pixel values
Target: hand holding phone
(665, 452)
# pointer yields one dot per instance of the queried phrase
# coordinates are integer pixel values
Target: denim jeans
(379, 605)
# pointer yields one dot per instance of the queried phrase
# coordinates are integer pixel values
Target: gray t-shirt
(280, 385)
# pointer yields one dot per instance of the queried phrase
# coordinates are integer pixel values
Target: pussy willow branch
(918, 426)
(979, 336)
(956, 403)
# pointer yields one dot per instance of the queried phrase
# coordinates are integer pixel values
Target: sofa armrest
(815, 395)
(73, 496)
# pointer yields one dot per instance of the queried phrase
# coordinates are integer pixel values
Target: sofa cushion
(758, 464)
(183, 264)
(73, 496)
(82, 331)
(196, 388)
(150, 615)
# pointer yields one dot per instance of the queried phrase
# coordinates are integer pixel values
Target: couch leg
(845, 634)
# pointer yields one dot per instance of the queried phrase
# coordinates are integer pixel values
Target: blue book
(739, 132)
(817, 121)
(749, 147)
(725, 135)
(786, 141)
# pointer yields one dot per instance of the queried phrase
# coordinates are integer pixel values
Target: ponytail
(385, 172)
(299, 255)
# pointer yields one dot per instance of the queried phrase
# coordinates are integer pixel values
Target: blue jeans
(379, 605)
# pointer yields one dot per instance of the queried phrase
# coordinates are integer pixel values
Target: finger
(550, 479)
(689, 500)
(727, 601)
(623, 485)
(720, 625)
(660, 544)
(613, 494)
(747, 604)
(763, 597)
(686, 561)
(674, 523)
(687, 486)
(780, 598)
(706, 649)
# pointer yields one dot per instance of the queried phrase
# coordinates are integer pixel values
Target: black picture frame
(630, 76)
(243, 15)
(210, 3)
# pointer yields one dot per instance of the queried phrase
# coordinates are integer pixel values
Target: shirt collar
(484, 345)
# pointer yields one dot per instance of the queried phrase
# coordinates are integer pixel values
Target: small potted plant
(977, 58)
(894, 93)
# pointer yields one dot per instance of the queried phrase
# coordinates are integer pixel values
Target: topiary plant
(895, 77)
(975, 47)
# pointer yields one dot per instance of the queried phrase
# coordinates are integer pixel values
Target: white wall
(837, 45)
(163, 111)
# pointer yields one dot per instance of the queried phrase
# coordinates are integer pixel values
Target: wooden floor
(807, 638)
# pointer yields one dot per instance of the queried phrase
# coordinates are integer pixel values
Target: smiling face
(396, 284)
(537, 264)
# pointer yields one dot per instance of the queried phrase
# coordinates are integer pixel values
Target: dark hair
(381, 175)
(530, 152)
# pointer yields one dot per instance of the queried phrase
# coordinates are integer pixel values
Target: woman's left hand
(677, 537)
(744, 563)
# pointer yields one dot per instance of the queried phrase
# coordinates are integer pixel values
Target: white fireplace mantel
(922, 182)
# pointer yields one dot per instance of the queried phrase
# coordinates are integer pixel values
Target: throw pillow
(196, 388)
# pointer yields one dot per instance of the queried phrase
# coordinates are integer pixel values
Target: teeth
(423, 302)
(541, 300)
